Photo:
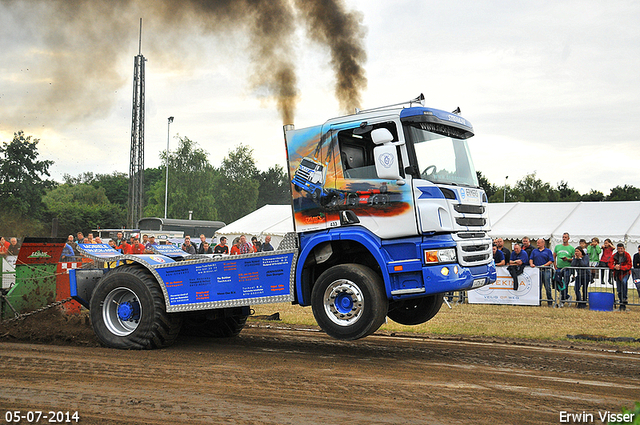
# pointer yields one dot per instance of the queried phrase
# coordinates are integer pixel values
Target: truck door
(383, 206)
(309, 157)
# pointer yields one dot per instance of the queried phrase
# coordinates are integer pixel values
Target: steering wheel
(429, 171)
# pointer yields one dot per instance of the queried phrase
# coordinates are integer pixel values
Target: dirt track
(288, 376)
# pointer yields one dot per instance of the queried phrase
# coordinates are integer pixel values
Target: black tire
(349, 301)
(415, 310)
(128, 311)
(222, 323)
(329, 201)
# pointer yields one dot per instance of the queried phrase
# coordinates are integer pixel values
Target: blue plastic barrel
(601, 301)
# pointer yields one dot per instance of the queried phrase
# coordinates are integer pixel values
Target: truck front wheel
(416, 310)
(128, 311)
(349, 302)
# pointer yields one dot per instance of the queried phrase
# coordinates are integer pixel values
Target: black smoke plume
(76, 72)
(330, 24)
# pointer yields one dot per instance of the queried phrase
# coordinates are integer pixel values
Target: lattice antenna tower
(136, 163)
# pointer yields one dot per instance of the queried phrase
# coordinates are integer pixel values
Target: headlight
(445, 255)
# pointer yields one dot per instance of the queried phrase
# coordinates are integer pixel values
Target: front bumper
(413, 282)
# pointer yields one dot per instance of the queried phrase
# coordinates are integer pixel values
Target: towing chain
(31, 313)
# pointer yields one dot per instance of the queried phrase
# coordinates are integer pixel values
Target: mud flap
(83, 282)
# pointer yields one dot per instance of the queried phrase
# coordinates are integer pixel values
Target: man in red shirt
(235, 250)
(135, 247)
(620, 263)
(4, 247)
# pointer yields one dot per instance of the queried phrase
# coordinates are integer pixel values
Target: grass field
(503, 321)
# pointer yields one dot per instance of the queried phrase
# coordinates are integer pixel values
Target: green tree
(531, 189)
(191, 184)
(22, 185)
(274, 187)
(489, 189)
(116, 184)
(151, 178)
(83, 193)
(83, 207)
(625, 193)
(593, 196)
(86, 177)
(236, 185)
(153, 175)
(566, 193)
(503, 194)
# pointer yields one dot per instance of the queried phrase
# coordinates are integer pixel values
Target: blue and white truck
(391, 218)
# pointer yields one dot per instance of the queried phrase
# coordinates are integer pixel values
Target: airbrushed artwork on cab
(321, 189)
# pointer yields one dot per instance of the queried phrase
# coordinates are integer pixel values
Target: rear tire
(223, 323)
(349, 302)
(416, 310)
(128, 311)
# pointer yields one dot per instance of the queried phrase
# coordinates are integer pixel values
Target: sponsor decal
(39, 254)
(466, 192)
(501, 291)
(386, 160)
(457, 119)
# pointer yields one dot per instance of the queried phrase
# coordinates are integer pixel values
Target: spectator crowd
(240, 245)
(582, 264)
(8, 247)
(565, 264)
(133, 245)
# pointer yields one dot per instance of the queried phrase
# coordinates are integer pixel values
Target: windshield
(442, 159)
(307, 163)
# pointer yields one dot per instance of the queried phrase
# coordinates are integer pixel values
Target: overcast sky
(550, 87)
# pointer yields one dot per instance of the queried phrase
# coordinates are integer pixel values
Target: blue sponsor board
(170, 250)
(154, 259)
(99, 250)
(103, 252)
(229, 279)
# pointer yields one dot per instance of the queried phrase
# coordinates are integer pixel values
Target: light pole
(166, 180)
(505, 188)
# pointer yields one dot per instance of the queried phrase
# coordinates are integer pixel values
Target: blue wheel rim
(121, 311)
(343, 302)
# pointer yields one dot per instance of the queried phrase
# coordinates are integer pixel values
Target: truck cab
(401, 199)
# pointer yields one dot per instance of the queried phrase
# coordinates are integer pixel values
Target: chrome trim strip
(408, 291)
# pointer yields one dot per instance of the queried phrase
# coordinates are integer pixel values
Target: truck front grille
(469, 209)
(302, 174)
(474, 252)
(471, 221)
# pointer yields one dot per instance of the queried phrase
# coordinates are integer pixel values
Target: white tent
(497, 211)
(272, 220)
(514, 220)
(619, 221)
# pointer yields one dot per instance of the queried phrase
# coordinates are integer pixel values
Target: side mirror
(386, 158)
(380, 136)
